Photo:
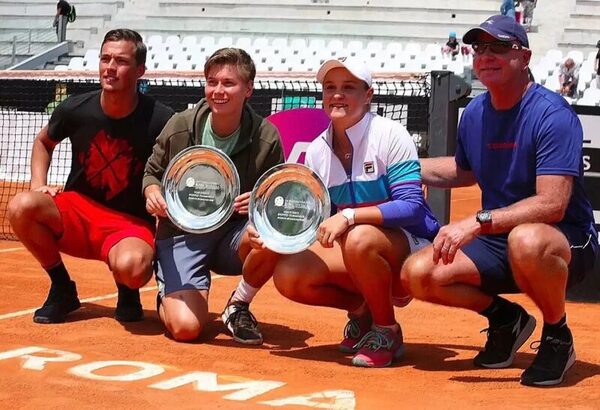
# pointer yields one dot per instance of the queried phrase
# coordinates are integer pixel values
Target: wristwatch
(484, 218)
(349, 213)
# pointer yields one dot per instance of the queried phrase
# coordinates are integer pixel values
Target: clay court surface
(89, 358)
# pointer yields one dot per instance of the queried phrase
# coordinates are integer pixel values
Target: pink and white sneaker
(379, 348)
(356, 328)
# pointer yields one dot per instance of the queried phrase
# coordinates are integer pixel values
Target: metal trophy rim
(173, 174)
(277, 241)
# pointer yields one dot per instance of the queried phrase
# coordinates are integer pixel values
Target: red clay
(299, 350)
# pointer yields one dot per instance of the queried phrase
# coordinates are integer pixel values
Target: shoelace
(242, 316)
(352, 329)
(374, 340)
(551, 342)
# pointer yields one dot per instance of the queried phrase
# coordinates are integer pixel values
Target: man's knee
(417, 275)
(527, 243)
(185, 328)
(22, 207)
(132, 268)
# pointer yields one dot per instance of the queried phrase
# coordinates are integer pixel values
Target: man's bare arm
(41, 156)
(443, 172)
(548, 205)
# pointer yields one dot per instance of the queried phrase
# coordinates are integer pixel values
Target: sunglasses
(497, 47)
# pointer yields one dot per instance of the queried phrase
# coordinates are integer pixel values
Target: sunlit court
(320, 70)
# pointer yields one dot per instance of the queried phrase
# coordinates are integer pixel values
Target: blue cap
(452, 34)
(502, 28)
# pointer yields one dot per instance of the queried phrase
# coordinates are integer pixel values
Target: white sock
(244, 292)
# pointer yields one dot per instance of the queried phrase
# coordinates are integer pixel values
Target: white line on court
(11, 250)
(87, 300)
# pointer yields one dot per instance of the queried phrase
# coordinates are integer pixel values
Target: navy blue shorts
(489, 253)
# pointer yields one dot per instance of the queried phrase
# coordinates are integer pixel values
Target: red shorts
(90, 229)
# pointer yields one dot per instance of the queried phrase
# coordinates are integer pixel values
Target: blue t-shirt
(507, 150)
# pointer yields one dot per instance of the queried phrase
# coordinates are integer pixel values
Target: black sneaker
(61, 301)
(504, 341)
(129, 306)
(553, 359)
(241, 323)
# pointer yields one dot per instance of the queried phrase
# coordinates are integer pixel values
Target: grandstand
(297, 35)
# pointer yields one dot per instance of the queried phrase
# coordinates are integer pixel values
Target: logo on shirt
(369, 167)
(109, 164)
(502, 145)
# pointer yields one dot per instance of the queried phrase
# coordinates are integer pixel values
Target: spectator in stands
(528, 8)
(452, 46)
(370, 166)
(597, 65)
(63, 8)
(100, 214)
(224, 120)
(507, 8)
(60, 94)
(522, 144)
(568, 77)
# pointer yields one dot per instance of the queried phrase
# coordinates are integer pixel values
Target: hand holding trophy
(287, 205)
(199, 186)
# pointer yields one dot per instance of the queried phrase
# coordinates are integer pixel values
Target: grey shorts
(185, 261)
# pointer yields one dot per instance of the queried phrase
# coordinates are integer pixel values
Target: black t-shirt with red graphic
(109, 154)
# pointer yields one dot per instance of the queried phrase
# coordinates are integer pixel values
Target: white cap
(358, 68)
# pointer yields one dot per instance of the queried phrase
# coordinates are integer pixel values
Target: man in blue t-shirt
(535, 234)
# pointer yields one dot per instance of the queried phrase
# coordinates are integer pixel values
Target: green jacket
(258, 149)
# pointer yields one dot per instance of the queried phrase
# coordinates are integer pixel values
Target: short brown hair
(235, 57)
(126, 34)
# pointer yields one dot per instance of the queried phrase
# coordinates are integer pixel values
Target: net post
(446, 90)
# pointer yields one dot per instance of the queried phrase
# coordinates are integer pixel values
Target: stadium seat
(412, 50)
(354, 47)
(207, 43)
(245, 43)
(172, 40)
(374, 48)
(184, 65)
(92, 54)
(336, 48)
(224, 41)
(555, 56)
(433, 51)
(188, 41)
(154, 40)
(61, 67)
(76, 63)
(552, 83)
(259, 43)
(393, 49)
(298, 46)
(315, 45)
(279, 44)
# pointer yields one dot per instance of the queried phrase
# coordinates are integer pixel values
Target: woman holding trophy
(371, 169)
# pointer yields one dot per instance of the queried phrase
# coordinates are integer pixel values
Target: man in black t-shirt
(100, 214)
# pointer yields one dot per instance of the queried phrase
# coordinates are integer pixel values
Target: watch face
(484, 217)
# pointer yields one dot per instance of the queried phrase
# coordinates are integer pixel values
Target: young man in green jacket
(223, 120)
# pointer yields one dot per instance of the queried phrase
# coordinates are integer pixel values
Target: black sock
(559, 330)
(127, 295)
(58, 274)
(500, 311)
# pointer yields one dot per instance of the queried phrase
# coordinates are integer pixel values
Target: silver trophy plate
(199, 186)
(287, 205)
